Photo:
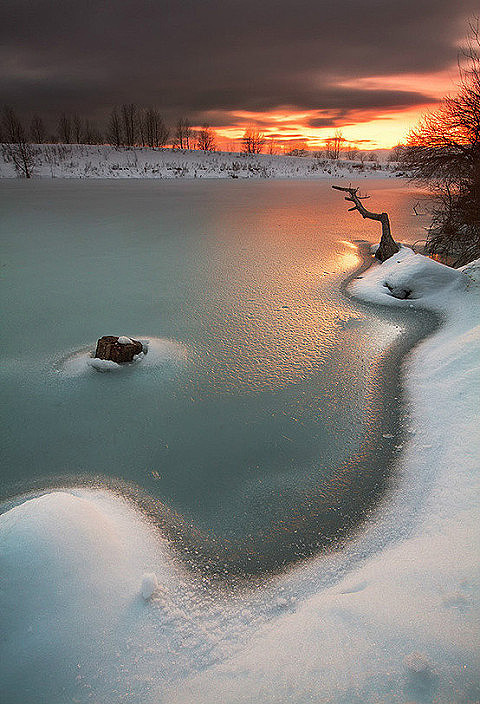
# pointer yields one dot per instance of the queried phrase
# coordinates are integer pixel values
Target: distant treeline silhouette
(128, 126)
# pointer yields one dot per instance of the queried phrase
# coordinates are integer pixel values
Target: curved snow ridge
(158, 352)
(404, 625)
(74, 566)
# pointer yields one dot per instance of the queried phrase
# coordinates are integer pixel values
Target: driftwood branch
(388, 247)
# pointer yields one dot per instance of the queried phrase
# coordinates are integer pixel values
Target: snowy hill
(93, 161)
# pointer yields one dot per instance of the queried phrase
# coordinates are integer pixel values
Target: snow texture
(103, 365)
(87, 161)
(149, 585)
(123, 340)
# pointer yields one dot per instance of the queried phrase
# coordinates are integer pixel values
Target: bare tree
(351, 153)
(163, 133)
(188, 133)
(155, 130)
(38, 133)
(142, 127)
(253, 141)
(11, 125)
(297, 147)
(397, 153)
(65, 128)
(90, 133)
(129, 119)
(114, 130)
(183, 134)
(444, 152)
(387, 247)
(76, 129)
(333, 145)
(206, 139)
(18, 150)
(272, 146)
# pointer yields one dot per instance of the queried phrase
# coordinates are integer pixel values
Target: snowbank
(405, 625)
(88, 161)
(432, 284)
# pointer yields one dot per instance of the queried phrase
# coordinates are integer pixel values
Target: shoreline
(402, 623)
(60, 161)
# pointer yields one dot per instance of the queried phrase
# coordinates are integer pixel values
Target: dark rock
(108, 347)
(398, 291)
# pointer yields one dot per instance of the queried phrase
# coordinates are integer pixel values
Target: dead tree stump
(387, 247)
(117, 349)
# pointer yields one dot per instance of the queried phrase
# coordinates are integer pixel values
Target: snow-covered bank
(90, 161)
(405, 625)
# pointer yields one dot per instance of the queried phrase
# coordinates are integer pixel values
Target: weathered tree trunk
(109, 347)
(387, 247)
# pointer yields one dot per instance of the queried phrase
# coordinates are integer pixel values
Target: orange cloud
(373, 128)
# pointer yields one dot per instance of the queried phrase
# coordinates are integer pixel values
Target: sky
(293, 69)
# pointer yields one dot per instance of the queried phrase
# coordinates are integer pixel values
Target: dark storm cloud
(205, 57)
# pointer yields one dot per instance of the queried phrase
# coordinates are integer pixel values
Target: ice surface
(410, 631)
(395, 624)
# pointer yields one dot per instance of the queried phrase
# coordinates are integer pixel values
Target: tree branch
(388, 247)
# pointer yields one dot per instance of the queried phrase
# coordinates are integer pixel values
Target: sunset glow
(363, 128)
(366, 130)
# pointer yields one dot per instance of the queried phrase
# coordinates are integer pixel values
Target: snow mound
(160, 352)
(123, 340)
(103, 365)
(419, 277)
(70, 567)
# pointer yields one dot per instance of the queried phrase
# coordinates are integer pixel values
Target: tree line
(127, 126)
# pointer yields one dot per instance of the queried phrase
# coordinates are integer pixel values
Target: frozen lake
(250, 414)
